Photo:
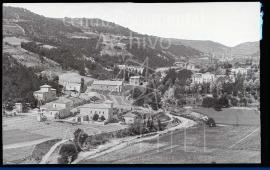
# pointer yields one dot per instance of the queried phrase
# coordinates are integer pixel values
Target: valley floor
(222, 144)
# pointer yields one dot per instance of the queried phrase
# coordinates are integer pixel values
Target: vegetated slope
(247, 48)
(84, 40)
(19, 82)
(217, 49)
(124, 35)
(35, 25)
(208, 47)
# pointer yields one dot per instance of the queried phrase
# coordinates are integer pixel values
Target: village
(84, 89)
(107, 106)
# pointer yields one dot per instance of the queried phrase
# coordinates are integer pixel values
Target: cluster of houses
(57, 108)
(61, 107)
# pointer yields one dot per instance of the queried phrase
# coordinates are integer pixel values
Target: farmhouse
(134, 80)
(57, 109)
(107, 85)
(45, 94)
(104, 109)
(199, 78)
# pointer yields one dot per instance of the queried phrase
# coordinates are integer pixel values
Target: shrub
(68, 153)
(223, 102)
(102, 118)
(95, 117)
(211, 122)
(79, 137)
(209, 102)
(234, 101)
(95, 140)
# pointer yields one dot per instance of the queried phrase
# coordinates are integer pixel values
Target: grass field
(16, 155)
(18, 136)
(220, 145)
(232, 116)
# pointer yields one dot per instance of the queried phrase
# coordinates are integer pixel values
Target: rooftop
(49, 106)
(129, 114)
(96, 106)
(45, 86)
(107, 82)
(135, 77)
(62, 100)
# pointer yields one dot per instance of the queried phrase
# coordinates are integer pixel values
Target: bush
(234, 101)
(95, 117)
(223, 102)
(102, 118)
(68, 153)
(95, 140)
(112, 120)
(209, 102)
(211, 122)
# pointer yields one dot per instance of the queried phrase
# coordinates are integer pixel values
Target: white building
(72, 86)
(239, 70)
(57, 109)
(107, 85)
(199, 78)
(45, 94)
(18, 107)
(135, 80)
(132, 69)
(105, 109)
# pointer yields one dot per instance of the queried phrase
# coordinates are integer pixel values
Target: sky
(229, 23)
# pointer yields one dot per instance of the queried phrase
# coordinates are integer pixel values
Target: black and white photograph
(131, 83)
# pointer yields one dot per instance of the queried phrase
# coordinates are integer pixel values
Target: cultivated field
(226, 144)
(232, 116)
(232, 143)
(25, 131)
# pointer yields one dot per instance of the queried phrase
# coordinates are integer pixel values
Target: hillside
(207, 47)
(35, 25)
(218, 50)
(16, 78)
(121, 34)
(94, 46)
(247, 48)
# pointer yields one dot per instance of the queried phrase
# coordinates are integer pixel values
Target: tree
(209, 102)
(215, 92)
(82, 85)
(223, 101)
(68, 153)
(137, 96)
(102, 118)
(95, 117)
(211, 122)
